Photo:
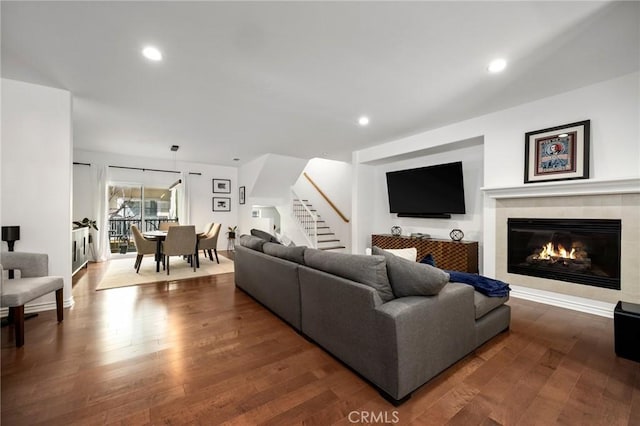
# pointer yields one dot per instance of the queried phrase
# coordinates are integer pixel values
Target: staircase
(317, 231)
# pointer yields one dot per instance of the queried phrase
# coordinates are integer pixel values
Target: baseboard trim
(40, 307)
(575, 303)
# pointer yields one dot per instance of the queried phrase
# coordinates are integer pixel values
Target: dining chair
(143, 246)
(210, 242)
(181, 241)
(207, 228)
(164, 226)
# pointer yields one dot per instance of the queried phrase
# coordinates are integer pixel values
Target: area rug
(120, 272)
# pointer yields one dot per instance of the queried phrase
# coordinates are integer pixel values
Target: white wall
(200, 187)
(268, 180)
(612, 106)
(470, 223)
(268, 217)
(37, 174)
(277, 175)
(334, 179)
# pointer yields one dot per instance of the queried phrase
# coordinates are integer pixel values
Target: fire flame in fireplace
(549, 252)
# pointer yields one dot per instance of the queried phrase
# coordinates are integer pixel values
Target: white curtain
(102, 250)
(184, 200)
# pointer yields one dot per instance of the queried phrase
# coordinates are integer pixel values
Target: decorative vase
(396, 231)
(456, 234)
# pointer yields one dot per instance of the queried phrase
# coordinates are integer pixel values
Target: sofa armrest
(270, 280)
(429, 333)
(31, 265)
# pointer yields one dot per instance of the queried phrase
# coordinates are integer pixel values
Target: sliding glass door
(136, 204)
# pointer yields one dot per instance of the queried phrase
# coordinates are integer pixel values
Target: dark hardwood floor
(202, 352)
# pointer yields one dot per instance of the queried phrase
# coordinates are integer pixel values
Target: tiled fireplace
(580, 251)
(604, 274)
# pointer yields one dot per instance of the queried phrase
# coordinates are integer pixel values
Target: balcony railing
(120, 238)
(154, 224)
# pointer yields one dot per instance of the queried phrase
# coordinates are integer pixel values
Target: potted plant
(232, 232)
(124, 244)
(86, 223)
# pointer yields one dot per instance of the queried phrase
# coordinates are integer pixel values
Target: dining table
(159, 236)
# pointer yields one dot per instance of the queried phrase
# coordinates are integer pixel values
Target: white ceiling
(243, 79)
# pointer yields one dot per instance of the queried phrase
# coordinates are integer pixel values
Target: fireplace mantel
(566, 188)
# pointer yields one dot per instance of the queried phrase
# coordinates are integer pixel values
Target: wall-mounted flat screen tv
(430, 192)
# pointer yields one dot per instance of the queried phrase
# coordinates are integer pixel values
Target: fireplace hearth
(581, 251)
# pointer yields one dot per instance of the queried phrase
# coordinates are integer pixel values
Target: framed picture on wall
(557, 153)
(241, 195)
(221, 204)
(222, 186)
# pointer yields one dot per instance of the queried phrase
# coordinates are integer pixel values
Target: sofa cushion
(409, 278)
(485, 304)
(367, 270)
(264, 235)
(17, 292)
(293, 254)
(251, 242)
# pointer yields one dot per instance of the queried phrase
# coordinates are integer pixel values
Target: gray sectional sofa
(341, 302)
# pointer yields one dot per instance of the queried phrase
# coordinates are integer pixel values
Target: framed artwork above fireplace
(557, 153)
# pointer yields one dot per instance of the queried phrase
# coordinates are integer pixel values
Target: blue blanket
(487, 286)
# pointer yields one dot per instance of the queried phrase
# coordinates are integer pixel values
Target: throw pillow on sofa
(367, 270)
(405, 253)
(249, 241)
(410, 278)
(293, 254)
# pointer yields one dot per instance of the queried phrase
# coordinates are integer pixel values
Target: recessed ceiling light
(497, 65)
(152, 53)
(363, 121)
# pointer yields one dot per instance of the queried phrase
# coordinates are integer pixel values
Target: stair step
(321, 221)
(328, 241)
(331, 248)
(326, 233)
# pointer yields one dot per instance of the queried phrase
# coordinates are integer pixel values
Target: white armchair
(34, 282)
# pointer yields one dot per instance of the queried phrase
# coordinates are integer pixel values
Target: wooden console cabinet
(79, 249)
(452, 255)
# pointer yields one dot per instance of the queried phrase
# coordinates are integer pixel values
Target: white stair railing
(307, 220)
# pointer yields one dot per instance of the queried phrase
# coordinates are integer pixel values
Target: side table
(626, 323)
